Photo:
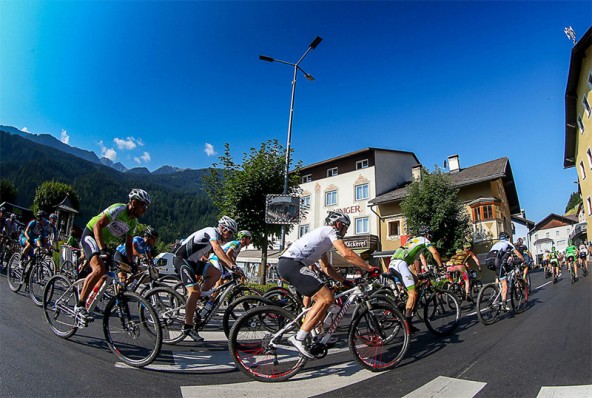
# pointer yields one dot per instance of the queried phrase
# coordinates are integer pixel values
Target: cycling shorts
(305, 280)
(120, 258)
(583, 255)
(555, 262)
(458, 268)
(188, 270)
(570, 258)
(89, 244)
(400, 267)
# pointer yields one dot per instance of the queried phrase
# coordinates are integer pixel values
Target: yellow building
(578, 124)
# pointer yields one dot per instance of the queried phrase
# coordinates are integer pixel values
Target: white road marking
(444, 387)
(305, 384)
(566, 392)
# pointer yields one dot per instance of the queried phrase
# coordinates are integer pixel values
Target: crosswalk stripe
(447, 387)
(566, 392)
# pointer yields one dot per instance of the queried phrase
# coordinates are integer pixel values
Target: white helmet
(139, 194)
(228, 223)
(335, 216)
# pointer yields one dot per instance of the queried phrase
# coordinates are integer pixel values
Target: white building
(553, 230)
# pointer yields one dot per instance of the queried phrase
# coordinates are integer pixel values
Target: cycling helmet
(244, 234)
(520, 241)
(335, 216)
(228, 223)
(139, 194)
(467, 245)
(424, 231)
(503, 236)
(53, 216)
(553, 249)
(151, 233)
(41, 214)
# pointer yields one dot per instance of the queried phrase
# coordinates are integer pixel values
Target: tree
(239, 191)
(432, 202)
(574, 200)
(7, 191)
(51, 193)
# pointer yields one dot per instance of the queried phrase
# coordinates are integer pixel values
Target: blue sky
(155, 83)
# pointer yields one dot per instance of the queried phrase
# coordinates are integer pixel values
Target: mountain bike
(130, 324)
(456, 285)
(378, 336)
(8, 248)
(489, 300)
(33, 274)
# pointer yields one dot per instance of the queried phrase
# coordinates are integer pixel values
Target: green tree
(574, 200)
(432, 202)
(51, 193)
(7, 191)
(239, 191)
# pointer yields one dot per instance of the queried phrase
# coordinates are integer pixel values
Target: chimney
(416, 172)
(453, 163)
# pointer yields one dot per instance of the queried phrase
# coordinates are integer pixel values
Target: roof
(66, 205)
(523, 221)
(369, 149)
(488, 171)
(569, 220)
(571, 97)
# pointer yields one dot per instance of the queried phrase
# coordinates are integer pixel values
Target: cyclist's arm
(226, 261)
(436, 255)
(328, 269)
(98, 227)
(516, 252)
(350, 256)
(474, 257)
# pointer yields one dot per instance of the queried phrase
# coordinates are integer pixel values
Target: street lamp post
(297, 67)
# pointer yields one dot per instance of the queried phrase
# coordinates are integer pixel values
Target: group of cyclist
(575, 258)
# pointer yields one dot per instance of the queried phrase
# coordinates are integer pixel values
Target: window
(307, 178)
(582, 170)
(303, 229)
(362, 164)
(586, 105)
(394, 228)
(536, 236)
(589, 206)
(362, 225)
(306, 202)
(332, 172)
(362, 192)
(581, 124)
(589, 154)
(330, 198)
(556, 233)
(485, 212)
(546, 234)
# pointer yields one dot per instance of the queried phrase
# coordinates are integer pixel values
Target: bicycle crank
(319, 350)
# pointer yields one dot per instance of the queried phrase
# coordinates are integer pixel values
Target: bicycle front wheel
(40, 275)
(283, 298)
(58, 306)
(441, 313)
(259, 351)
(378, 337)
(488, 304)
(170, 308)
(14, 273)
(132, 329)
(238, 308)
(519, 295)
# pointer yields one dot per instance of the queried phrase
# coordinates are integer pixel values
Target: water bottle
(331, 314)
(92, 296)
(206, 309)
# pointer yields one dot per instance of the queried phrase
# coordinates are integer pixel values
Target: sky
(153, 83)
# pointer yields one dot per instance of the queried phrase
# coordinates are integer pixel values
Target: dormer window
(332, 172)
(306, 178)
(362, 164)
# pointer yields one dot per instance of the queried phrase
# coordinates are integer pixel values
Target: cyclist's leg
(401, 268)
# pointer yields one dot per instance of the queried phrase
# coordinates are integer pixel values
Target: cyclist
(571, 253)
(554, 260)
(405, 256)
(52, 231)
(546, 263)
(498, 259)
(582, 257)
(34, 235)
(460, 262)
(141, 248)
(190, 266)
(232, 249)
(521, 247)
(117, 222)
(293, 266)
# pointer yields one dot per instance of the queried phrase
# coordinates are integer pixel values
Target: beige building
(578, 126)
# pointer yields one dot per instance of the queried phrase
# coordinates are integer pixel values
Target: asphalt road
(544, 352)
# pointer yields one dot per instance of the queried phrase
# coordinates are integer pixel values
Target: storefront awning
(254, 256)
(387, 253)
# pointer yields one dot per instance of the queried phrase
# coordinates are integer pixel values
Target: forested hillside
(179, 203)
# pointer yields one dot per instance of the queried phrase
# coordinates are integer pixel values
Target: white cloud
(209, 150)
(128, 143)
(24, 129)
(64, 137)
(144, 158)
(108, 153)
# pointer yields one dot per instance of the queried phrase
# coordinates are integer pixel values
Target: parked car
(164, 264)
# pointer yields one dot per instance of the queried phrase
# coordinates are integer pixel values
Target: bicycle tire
(519, 295)
(58, 306)
(170, 308)
(250, 349)
(477, 286)
(378, 337)
(441, 313)
(488, 308)
(572, 276)
(283, 298)
(132, 330)
(238, 308)
(241, 291)
(38, 277)
(458, 291)
(14, 274)
(69, 270)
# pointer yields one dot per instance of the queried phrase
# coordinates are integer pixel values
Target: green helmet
(244, 234)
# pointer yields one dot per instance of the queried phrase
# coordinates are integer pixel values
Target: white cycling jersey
(583, 249)
(311, 246)
(502, 246)
(199, 243)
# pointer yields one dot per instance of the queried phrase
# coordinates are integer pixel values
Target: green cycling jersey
(411, 250)
(120, 223)
(571, 251)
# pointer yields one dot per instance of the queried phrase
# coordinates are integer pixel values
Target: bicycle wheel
(442, 313)
(132, 329)
(476, 288)
(170, 308)
(38, 278)
(69, 270)
(58, 306)
(14, 273)
(458, 291)
(488, 304)
(519, 295)
(378, 338)
(241, 291)
(238, 308)
(255, 350)
(283, 298)
(572, 275)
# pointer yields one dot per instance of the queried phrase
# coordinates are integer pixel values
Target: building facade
(578, 122)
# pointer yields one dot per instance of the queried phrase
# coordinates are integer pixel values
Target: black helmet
(424, 231)
(335, 216)
(503, 236)
(151, 233)
(41, 214)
